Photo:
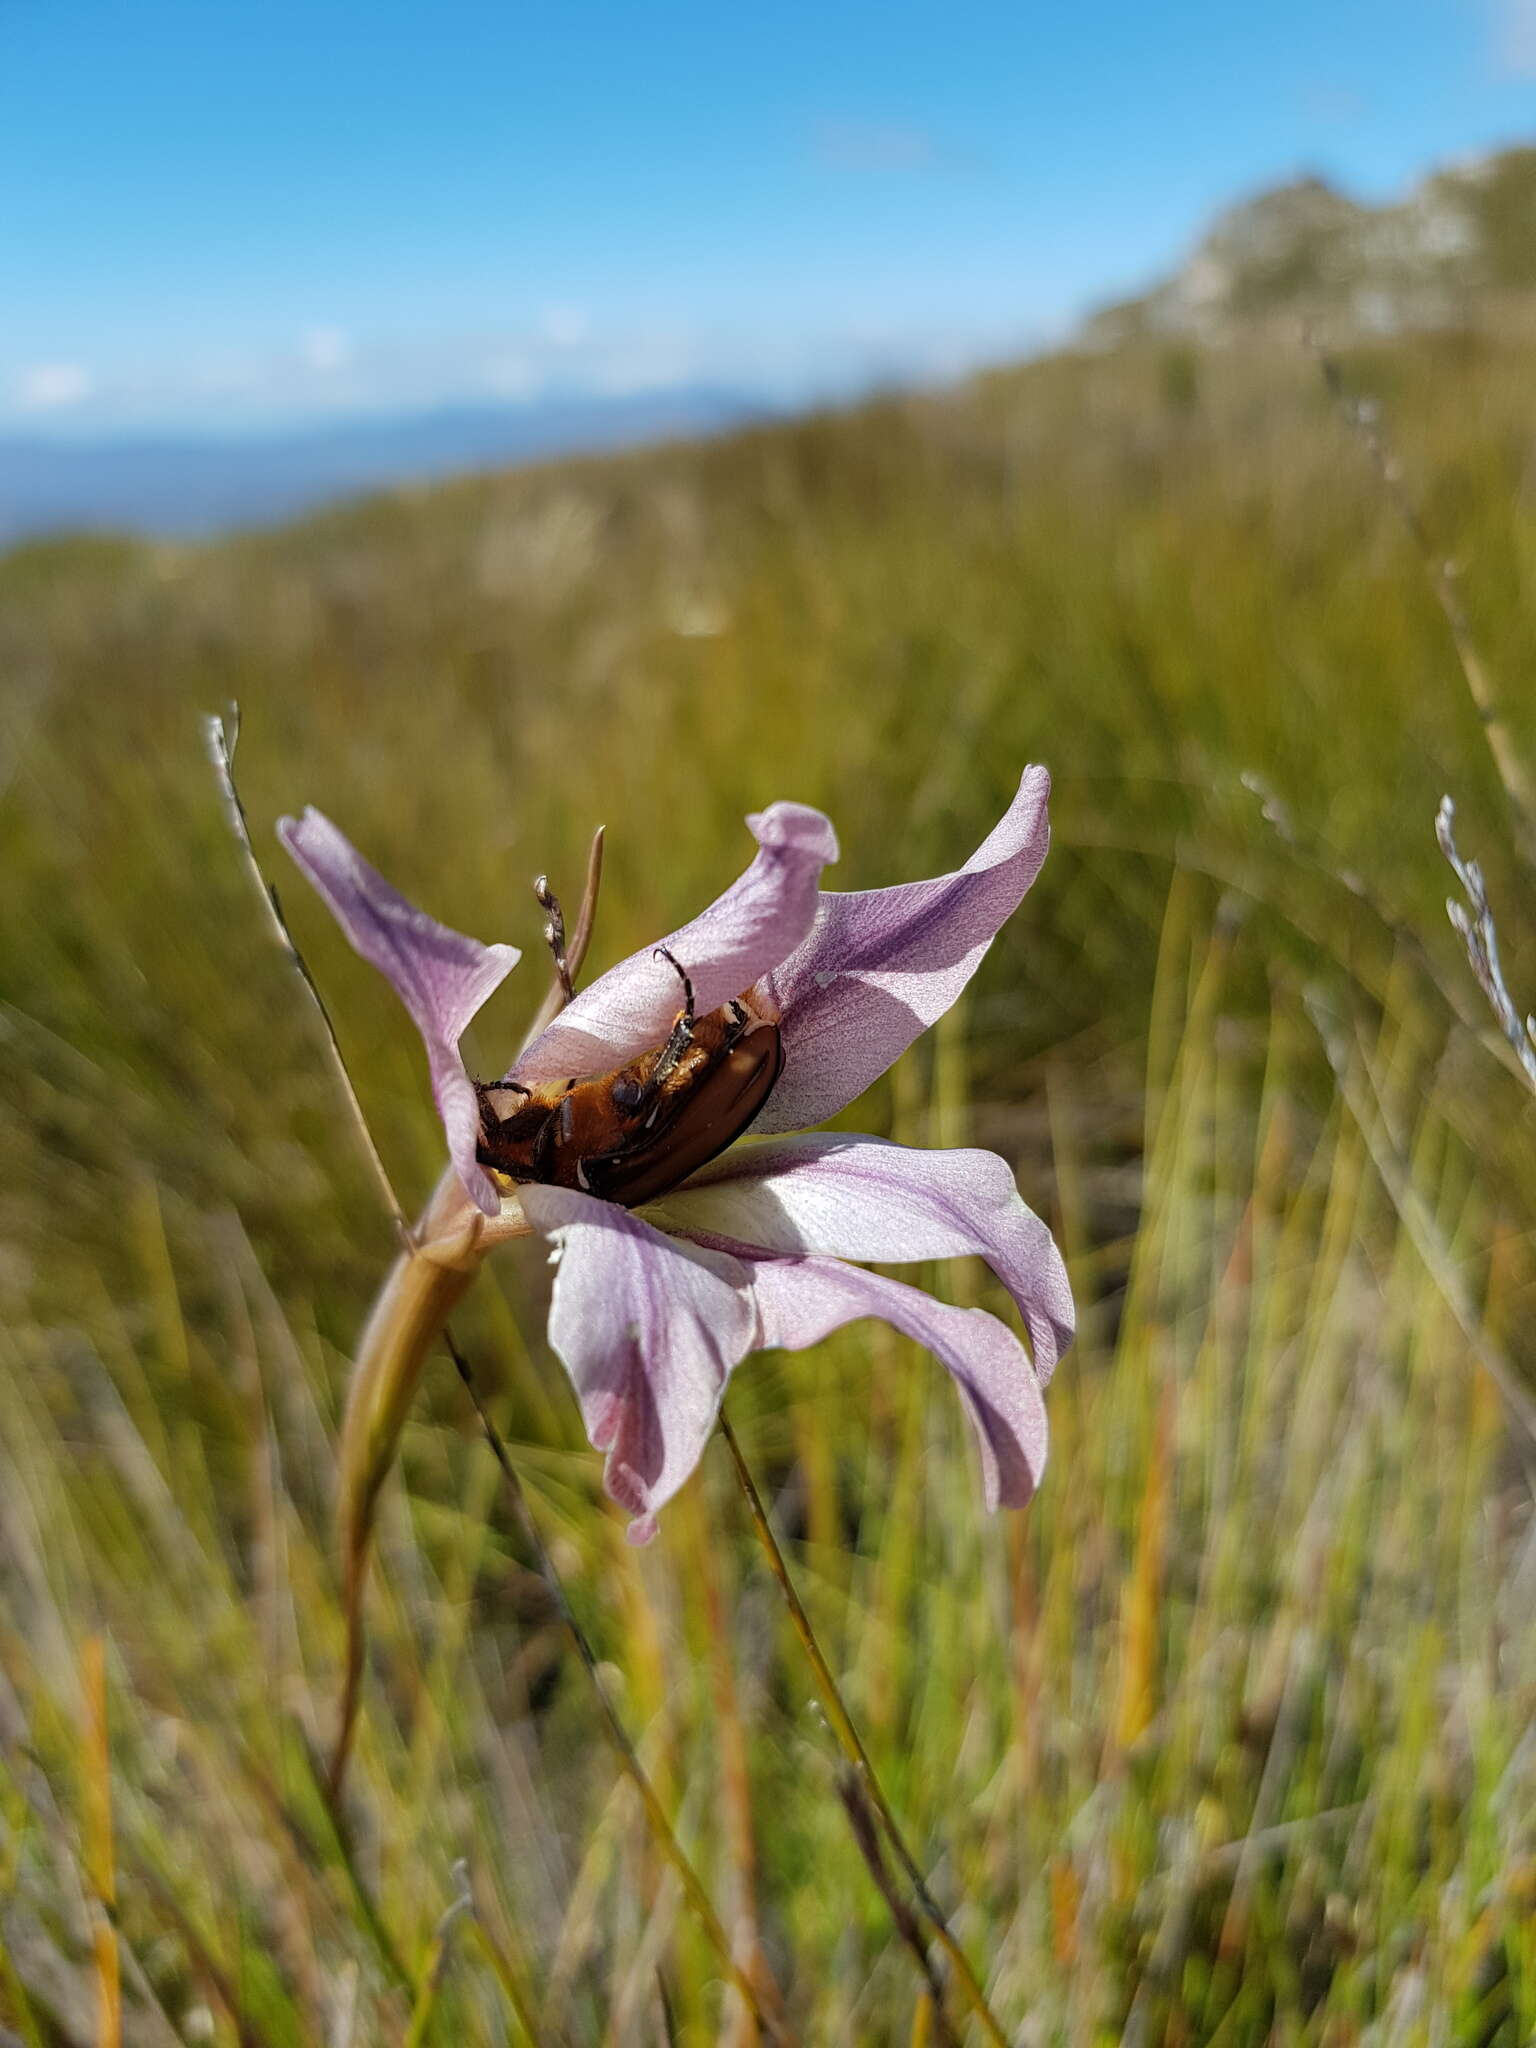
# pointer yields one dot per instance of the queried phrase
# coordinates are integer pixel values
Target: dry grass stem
(1519, 785)
(1475, 927)
(851, 1742)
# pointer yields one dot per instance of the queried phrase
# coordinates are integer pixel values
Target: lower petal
(649, 1330)
(843, 1196)
(800, 1301)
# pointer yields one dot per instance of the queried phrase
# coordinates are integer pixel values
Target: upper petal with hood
(758, 922)
(649, 1330)
(441, 976)
(853, 1197)
(880, 965)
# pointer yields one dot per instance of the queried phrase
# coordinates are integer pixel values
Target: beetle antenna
(682, 974)
(554, 933)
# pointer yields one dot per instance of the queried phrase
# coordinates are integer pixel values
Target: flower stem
(851, 1742)
(767, 2011)
(391, 1355)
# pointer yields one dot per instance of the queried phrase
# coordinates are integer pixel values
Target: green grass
(1227, 1739)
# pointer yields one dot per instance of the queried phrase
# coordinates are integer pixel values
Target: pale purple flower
(655, 1305)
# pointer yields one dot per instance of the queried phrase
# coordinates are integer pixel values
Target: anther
(554, 933)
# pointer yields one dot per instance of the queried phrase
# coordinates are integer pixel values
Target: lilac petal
(441, 976)
(881, 965)
(800, 1301)
(649, 1330)
(862, 1198)
(758, 922)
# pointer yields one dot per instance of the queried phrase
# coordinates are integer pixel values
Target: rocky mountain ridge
(1462, 243)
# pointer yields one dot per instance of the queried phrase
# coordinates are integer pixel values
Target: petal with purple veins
(649, 1330)
(800, 1301)
(755, 924)
(852, 1197)
(880, 965)
(441, 976)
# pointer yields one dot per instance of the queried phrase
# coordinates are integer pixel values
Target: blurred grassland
(1228, 1739)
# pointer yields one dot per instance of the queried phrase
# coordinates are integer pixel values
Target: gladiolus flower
(678, 1250)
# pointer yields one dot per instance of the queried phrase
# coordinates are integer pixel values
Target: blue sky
(215, 215)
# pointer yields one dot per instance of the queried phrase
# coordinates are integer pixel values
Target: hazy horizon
(223, 226)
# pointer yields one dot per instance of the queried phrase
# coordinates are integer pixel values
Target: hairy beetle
(630, 1135)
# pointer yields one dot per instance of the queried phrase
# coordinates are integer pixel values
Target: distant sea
(185, 486)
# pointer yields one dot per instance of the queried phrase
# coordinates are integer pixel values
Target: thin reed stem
(851, 1742)
(100, 1861)
(866, 1834)
(1512, 771)
(770, 2020)
(536, 2029)
(223, 737)
(1357, 1087)
(439, 1954)
(739, 1827)
(215, 1979)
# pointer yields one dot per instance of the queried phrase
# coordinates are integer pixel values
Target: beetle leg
(544, 1143)
(632, 1098)
(671, 1053)
(681, 1036)
(491, 1118)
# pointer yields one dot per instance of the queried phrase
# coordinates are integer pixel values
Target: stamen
(554, 934)
(563, 987)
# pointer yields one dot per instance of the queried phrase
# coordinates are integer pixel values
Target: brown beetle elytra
(631, 1135)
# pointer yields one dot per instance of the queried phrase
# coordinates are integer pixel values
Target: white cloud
(323, 374)
(513, 376)
(875, 146)
(645, 364)
(564, 326)
(1514, 30)
(1328, 103)
(50, 387)
(893, 148)
(229, 376)
(326, 349)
